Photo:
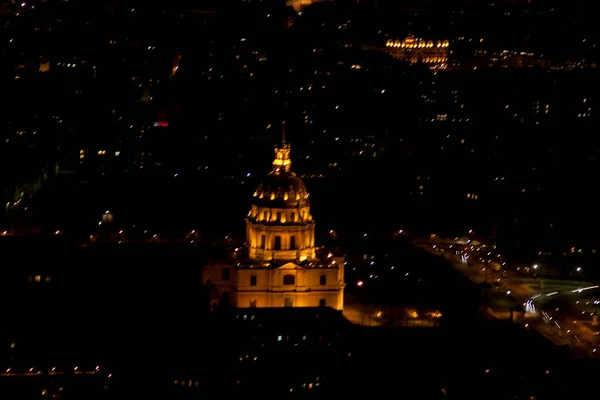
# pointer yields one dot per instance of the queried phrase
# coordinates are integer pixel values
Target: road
(559, 309)
(379, 315)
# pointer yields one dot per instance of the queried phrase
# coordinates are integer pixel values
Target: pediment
(290, 266)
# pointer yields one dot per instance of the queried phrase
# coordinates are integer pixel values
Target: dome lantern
(282, 161)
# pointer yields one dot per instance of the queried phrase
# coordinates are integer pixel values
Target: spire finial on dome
(283, 133)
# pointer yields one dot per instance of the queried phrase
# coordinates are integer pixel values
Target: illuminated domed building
(279, 226)
(415, 50)
(281, 267)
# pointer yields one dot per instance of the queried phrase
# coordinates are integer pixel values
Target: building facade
(415, 50)
(280, 266)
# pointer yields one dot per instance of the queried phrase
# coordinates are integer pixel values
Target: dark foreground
(137, 325)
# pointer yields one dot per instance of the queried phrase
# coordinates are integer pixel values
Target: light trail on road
(580, 337)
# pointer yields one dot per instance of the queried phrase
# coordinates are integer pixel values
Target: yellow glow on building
(282, 161)
(416, 50)
(281, 268)
(300, 5)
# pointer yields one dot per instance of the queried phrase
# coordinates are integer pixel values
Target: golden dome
(281, 189)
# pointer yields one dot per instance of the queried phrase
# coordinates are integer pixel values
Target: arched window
(264, 215)
(263, 241)
(289, 279)
(278, 218)
(288, 302)
(293, 217)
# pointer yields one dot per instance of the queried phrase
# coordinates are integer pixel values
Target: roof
(281, 190)
(290, 266)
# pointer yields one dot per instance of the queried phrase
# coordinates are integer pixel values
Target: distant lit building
(299, 5)
(415, 50)
(516, 59)
(281, 266)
